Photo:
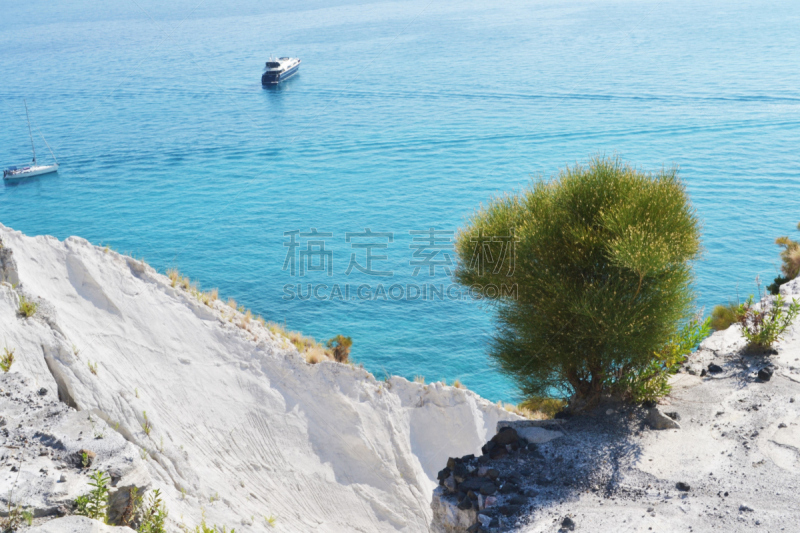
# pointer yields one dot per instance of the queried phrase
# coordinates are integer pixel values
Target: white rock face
(76, 524)
(240, 427)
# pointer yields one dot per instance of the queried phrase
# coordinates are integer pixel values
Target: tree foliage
(602, 266)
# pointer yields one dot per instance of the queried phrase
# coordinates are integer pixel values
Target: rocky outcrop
(226, 416)
(49, 450)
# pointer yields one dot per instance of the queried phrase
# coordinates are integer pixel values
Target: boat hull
(29, 172)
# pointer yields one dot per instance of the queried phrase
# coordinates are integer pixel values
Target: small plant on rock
(723, 316)
(27, 308)
(790, 256)
(153, 514)
(341, 348)
(6, 360)
(95, 504)
(147, 427)
(14, 518)
(762, 327)
(92, 367)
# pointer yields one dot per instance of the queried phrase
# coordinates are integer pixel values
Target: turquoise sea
(405, 116)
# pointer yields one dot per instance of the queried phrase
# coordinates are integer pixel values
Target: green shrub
(723, 316)
(27, 308)
(95, 504)
(599, 278)
(763, 327)
(341, 348)
(7, 359)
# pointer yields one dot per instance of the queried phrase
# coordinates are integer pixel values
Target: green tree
(602, 276)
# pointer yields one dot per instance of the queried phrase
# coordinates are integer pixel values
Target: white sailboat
(15, 173)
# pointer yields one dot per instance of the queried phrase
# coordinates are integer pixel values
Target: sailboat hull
(27, 172)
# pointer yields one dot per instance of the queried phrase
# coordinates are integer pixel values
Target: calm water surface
(405, 116)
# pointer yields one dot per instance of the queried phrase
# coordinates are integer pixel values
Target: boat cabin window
(273, 64)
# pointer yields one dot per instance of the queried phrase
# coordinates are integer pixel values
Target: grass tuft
(27, 308)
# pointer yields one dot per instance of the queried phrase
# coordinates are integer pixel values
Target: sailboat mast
(30, 132)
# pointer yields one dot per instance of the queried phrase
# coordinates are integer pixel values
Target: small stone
(488, 489)
(465, 504)
(450, 484)
(673, 415)
(484, 520)
(493, 473)
(443, 474)
(610, 412)
(475, 528)
(683, 487)
(42, 392)
(765, 374)
(650, 509)
(531, 493)
(472, 496)
(745, 508)
(568, 524)
(62, 479)
(781, 425)
(714, 369)
(490, 501)
(451, 463)
(703, 373)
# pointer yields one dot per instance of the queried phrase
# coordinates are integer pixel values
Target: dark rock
(703, 373)
(42, 392)
(506, 436)
(673, 415)
(473, 483)
(509, 510)
(460, 472)
(451, 463)
(465, 504)
(568, 524)
(649, 404)
(514, 446)
(488, 489)
(508, 488)
(498, 452)
(765, 374)
(714, 369)
(471, 495)
(531, 493)
(562, 415)
(681, 486)
(483, 459)
(488, 447)
(745, 508)
(493, 473)
(443, 474)
(449, 484)
(781, 425)
(517, 499)
(475, 528)
(467, 458)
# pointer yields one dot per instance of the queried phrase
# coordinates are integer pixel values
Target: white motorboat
(277, 70)
(27, 171)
